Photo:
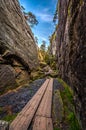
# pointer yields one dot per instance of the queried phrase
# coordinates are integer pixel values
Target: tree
(55, 15)
(43, 46)
(30, 17)
(22, 8)
(36, 40)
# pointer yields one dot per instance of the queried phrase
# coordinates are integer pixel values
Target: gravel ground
(15, 101)
(57, 85)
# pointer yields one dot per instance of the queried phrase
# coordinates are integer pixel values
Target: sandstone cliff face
(18, 50)
(53, 44)
(71, 50)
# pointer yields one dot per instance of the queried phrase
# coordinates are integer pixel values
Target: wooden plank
(39, 122)
(42, 123)
(43, 120)
(46, 103)
(24, 118)
(49, 124)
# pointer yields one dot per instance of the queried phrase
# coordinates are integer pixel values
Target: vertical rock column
(71, 50)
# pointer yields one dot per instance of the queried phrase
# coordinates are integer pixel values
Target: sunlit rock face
(53, 48)
(17, 44)
(53, 44)
(71, 50)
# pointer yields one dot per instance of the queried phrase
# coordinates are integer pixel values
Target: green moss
(10, 118)
(1, 110)
(67, 90)
(57, 129)
(69, 110)
(74, 124)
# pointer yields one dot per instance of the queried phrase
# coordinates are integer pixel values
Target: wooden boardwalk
(37, 110)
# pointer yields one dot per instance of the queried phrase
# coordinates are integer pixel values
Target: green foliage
(43, 46)
(50, 60)
(30, 17)
(56, 14)
(22, 8)
(10, 118)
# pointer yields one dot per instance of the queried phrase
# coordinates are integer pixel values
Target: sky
(44, 11)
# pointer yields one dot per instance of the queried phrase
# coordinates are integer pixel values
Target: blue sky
(44, 11)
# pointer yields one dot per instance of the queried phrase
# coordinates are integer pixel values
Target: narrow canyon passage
(42, 40)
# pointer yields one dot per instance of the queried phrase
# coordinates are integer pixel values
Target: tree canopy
(30, 17)
(56, 14)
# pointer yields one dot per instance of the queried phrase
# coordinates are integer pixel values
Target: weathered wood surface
(46, 103)
(42, 123)
(43, 120)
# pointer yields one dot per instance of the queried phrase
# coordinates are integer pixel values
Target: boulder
(7, 78)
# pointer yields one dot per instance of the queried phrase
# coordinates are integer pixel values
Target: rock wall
(71, 50)
(18, 50)
(53, 44)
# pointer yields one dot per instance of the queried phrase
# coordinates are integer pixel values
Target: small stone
(4, 125)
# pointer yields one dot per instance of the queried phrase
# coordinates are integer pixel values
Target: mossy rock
(70, 117)
(10, 118)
